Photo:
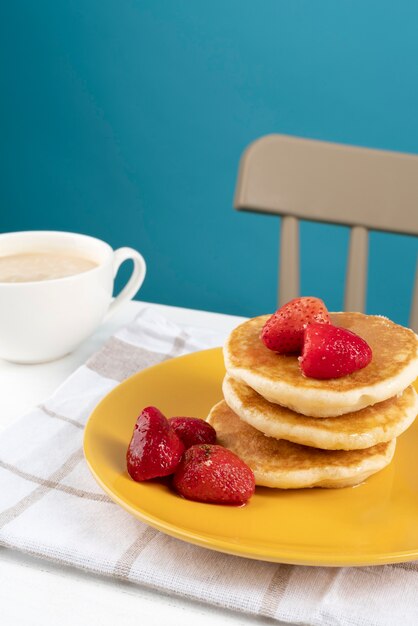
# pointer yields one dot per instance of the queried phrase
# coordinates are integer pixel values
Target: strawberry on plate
(284, 330)
(331, 352)
(193, 430)
(211, 473)
(155, 449)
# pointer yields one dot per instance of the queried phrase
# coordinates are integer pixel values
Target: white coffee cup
(46, 319)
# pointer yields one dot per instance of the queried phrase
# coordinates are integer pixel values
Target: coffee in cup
(28, 267)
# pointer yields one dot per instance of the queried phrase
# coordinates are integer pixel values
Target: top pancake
(279, 379)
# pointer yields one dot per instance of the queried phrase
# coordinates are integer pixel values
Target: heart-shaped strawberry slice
(331, 352)
(155, 449)
(284, 330)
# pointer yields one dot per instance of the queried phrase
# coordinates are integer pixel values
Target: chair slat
(319, 181)
(356, 279)
(325, 182)
(413, 320)
(288, 260)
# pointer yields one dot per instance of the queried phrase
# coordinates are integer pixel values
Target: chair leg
(288, 260)
(356, 278)
(413, 319)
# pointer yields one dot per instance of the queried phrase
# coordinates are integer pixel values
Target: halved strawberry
(331, 352)
(283, 332)
(193, 430)
(155, 449)
(211, 473)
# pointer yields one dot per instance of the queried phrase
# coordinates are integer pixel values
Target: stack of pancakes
(294, 431)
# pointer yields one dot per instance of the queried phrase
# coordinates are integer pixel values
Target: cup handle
(135, 281)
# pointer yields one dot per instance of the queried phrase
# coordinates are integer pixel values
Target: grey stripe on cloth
(20, 507)
(81, 493)
(275, 591)
(58, 416)
(178, 345)
(118, 359)
(409, 567)
(124, 565)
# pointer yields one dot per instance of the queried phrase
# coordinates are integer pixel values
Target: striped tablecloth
(51, 507)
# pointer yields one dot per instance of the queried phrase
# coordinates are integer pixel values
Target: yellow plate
(374, 523)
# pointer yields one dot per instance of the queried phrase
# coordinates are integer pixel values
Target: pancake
(286, 465)
(375, 424)
(279, 379)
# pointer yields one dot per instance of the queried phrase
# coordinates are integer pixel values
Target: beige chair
(327, 182)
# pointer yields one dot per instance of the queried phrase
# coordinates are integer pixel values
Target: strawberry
(193, 430)
(211, 473)
(331, 352)
(283, 332)
(155, 449)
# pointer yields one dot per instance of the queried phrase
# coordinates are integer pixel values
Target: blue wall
(125, 119)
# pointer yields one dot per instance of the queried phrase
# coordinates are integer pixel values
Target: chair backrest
(333, 183)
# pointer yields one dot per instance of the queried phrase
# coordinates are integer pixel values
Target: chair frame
(333, 183)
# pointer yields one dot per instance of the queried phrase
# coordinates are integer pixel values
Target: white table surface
(36, 592)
